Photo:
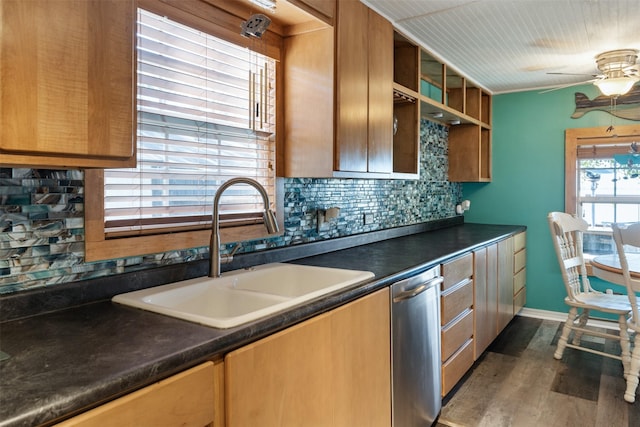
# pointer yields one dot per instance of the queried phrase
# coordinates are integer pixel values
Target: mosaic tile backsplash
(42, 216)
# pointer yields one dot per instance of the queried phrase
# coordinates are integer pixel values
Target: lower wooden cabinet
(482, 291)
(456, 318)
(505, 282)
(454, 368)
(185, 399)
(485, 276)
(499, 276)
(519, 272)
(335, 368)
(331, 370)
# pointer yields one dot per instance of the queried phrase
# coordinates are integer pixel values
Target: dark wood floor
(518, 383)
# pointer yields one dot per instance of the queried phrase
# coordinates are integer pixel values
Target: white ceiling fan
(619, 72)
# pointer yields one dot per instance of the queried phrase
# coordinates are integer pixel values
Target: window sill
(106, 249)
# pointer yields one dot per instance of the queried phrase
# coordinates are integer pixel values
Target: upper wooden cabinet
(469, 153)
(338, 99)
(323, 9)
(67, 83)
(406, 105)
(364, 90)
(449, 98)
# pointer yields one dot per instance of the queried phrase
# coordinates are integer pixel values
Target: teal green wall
(528, 178)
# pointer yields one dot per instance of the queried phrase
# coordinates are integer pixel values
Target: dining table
(607, 267)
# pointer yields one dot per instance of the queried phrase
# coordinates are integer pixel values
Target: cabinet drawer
(455, 301)
(519, 260)
(457, 270)
(456, 333)
(519, 241)
(519, 280)
(519, 300)
(457, 365)
(183, 399)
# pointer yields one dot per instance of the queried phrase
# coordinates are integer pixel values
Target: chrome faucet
(268, 215)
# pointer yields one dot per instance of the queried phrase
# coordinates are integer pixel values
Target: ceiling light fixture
(618, 70)
(616, 86)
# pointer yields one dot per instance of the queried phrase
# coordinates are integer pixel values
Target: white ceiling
(511, 45)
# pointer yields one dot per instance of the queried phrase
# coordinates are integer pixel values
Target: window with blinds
(608, 191)
(206, 113)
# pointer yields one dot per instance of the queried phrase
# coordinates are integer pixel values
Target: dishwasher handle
(417, 290)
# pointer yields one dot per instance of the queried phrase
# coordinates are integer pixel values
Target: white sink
(242, 296)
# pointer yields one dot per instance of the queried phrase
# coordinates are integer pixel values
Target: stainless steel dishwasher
(415, 356)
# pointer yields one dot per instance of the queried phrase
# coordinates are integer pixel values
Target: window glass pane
(628, 213)
(598, 214)
(206, 113)
(597, 177)
(608, 192)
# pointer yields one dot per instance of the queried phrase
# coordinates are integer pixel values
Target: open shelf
(469, 153)
(405, 139)
(406, 106)
(449, 98)
(405, 62)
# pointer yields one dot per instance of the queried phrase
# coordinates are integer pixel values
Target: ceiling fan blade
(574, 74)
(633, 70)
(568, 85)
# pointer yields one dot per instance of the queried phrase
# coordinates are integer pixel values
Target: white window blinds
(206, 113)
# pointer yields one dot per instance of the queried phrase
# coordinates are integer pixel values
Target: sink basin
(293, 280)
(242, 296)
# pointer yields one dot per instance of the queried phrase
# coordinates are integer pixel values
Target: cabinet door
(361, 362)
(486, 298)
(519, 272)
(352, 86)
(380, 121)
(67, 83)
(185, 399)
(307, 149)
(505, 282)
(282, 379)
(332, 370)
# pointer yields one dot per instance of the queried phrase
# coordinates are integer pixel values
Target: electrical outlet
(368, 218)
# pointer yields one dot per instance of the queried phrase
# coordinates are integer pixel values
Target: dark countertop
(64, 362)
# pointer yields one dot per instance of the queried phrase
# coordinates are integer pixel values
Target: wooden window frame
(589, 136)
(98, 247)
(223, 24)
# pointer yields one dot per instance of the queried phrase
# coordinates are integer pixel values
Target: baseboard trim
(562, 317)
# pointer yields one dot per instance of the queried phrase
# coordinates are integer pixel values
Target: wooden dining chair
(628, 238)
(566, 232)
